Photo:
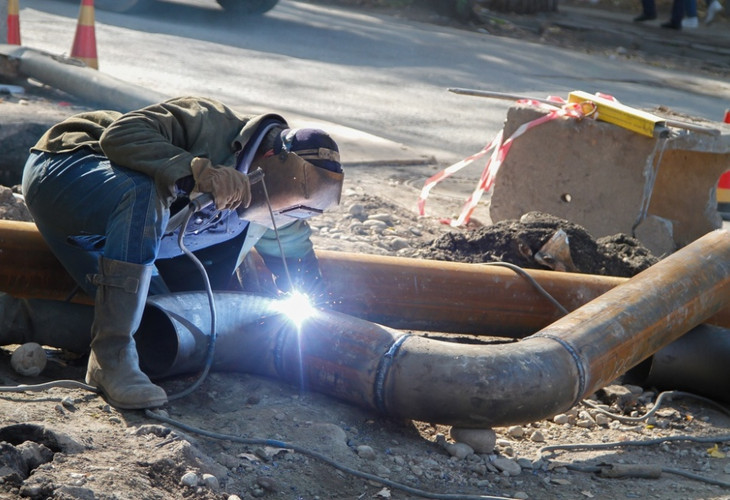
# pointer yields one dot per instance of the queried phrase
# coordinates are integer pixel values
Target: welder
(104, 189)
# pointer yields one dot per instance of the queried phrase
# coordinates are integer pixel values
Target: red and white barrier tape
(499, 150)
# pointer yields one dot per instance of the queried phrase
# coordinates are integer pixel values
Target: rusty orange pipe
(394, 291)
(453, 297)
(28, 268)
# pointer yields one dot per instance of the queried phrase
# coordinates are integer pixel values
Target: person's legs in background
(648, 11)
(690, 15)
(675, 21)
(714, 7)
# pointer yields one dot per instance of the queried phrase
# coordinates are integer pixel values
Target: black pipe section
(47, 322)
(331, 353)
(698, 362)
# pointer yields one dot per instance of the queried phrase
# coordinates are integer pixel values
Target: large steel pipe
(81, 81)
(398, 292)
(465, 385)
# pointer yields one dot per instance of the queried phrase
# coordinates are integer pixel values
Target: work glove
(229, 187)
(305, 275)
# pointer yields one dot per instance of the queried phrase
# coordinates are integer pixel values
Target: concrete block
(611, 180)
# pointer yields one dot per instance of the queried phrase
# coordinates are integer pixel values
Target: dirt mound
(520, 242)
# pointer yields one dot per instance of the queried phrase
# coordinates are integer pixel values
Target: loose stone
(602, 419)
(365, 452)
(387, 218)
(190, 479)
(267, 483)
(480, 440)
(211, 482)
(561, 419)
(507, 466)
(459, 450)
(537, 437)
(516, 431)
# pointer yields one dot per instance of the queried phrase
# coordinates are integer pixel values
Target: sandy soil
(243, 436)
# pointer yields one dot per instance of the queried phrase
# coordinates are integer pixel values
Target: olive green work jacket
(159, 140)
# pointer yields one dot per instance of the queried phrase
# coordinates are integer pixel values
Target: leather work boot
(113, 363)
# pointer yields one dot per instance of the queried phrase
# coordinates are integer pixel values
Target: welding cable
(532, 281)
(73, 384)
(195, 205)
(649, 442)
(318, 456)
(668, 470)
(657, 404)
(211, 303)
(65, 384)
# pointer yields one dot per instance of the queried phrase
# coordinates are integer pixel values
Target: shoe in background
(712, 10)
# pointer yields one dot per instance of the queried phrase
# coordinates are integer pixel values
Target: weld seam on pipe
(573, 354)
(381, 374)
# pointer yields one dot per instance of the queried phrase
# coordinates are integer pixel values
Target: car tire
(120, 5)
(247, 7)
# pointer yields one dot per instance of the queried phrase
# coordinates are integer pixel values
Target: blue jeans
(682, 8)
(82, 194)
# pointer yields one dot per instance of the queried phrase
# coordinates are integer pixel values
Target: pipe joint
(576, 358)
(382, 373)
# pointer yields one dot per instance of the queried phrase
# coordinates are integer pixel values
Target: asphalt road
(379, 75)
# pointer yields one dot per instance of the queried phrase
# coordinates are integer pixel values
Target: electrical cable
(659, 400)
(533, 282)
(647, 442)
(313, 454)
(211, 304)
(65, 384)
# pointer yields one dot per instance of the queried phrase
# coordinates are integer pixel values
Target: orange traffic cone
(13, 23)
(84, 47)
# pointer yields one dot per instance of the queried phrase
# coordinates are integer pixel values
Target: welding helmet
(302, 176)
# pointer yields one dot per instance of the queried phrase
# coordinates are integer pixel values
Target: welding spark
(296, 306)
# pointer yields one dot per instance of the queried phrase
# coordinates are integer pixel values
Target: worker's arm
(162, 140)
